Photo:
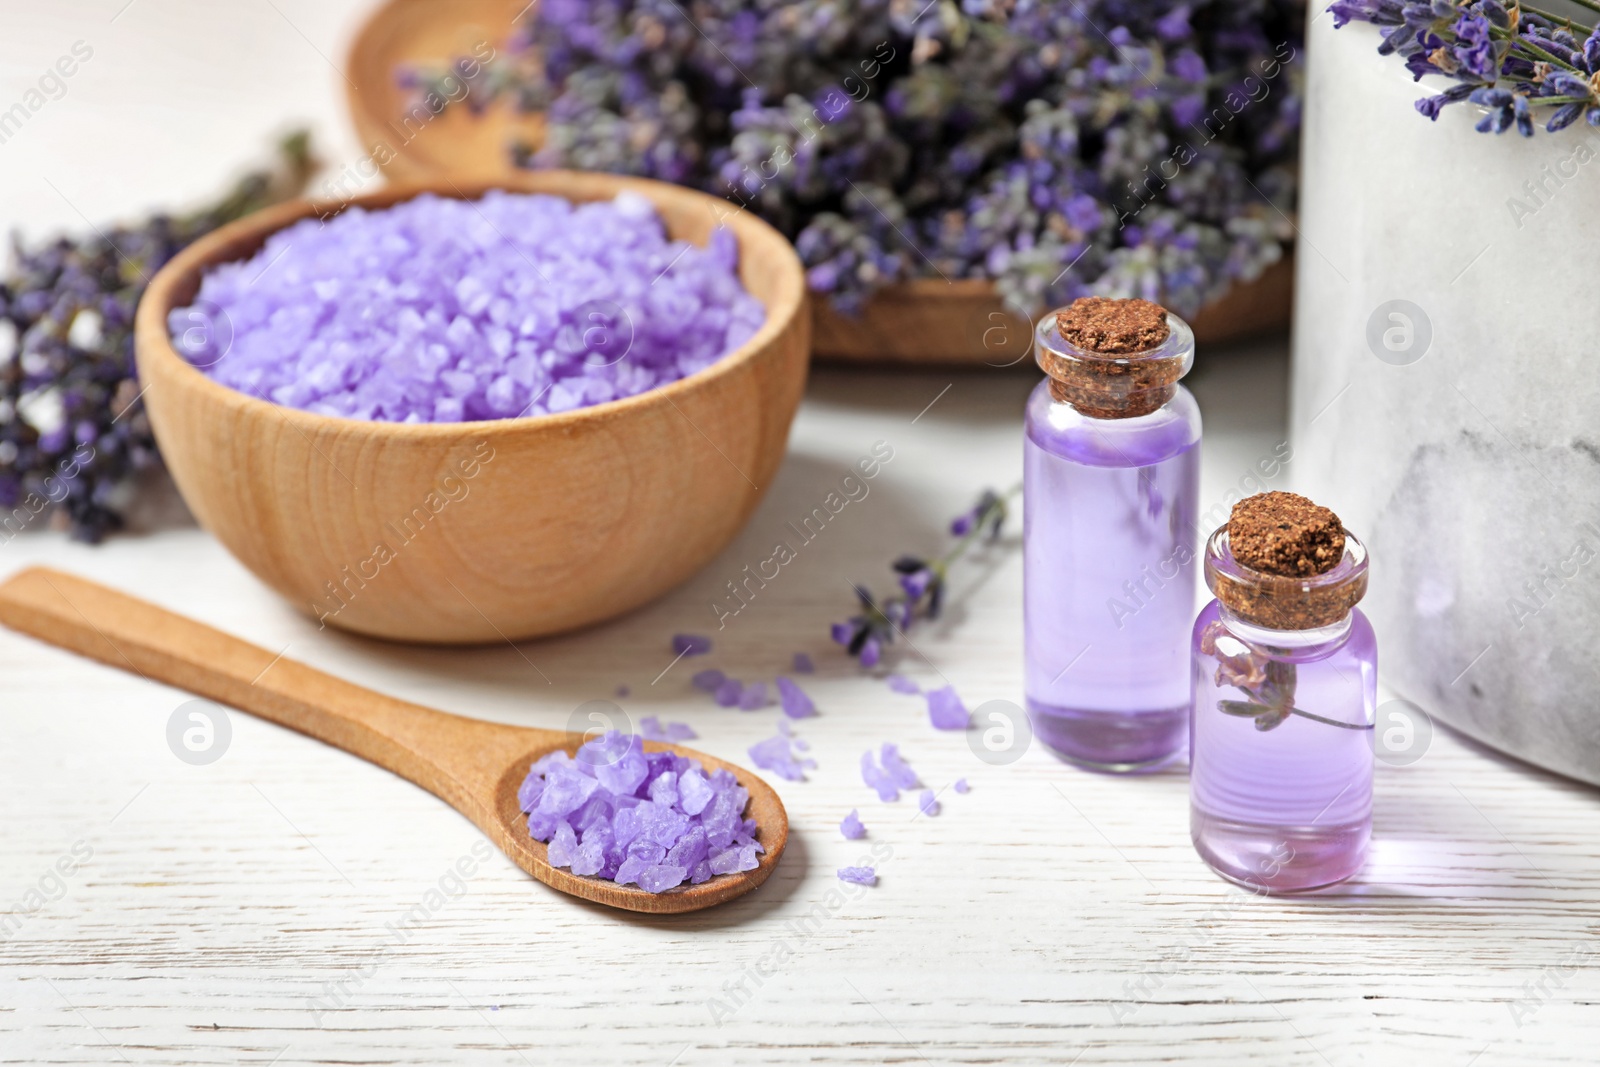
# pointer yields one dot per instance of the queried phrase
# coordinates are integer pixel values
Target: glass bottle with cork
(1110, 483)
(1285, 691)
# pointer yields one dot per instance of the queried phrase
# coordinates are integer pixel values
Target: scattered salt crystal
(873, 775)
(616, 812)
(851, 826)
(622, 691)
(796, 704)
(730, 692)
(961, 786)
(858, 875)
(753, 697)
(775, 755)
(650, 729)
(927, 803)
(690, 644)
(901, 684)
(899, 772)
(802, 744)
(803, 664)
(443, 310)
(709, 679)
(946, 711)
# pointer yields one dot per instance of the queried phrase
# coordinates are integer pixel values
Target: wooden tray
(431, 33)
(928, 321)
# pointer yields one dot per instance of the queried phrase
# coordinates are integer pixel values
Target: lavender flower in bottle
(1285, 688)
(1110, 481)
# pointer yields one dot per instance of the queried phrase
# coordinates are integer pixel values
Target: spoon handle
(455, 758)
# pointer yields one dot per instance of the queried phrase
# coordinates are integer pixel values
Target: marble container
(1446, 395)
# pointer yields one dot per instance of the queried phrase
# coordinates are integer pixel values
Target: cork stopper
(1113, 327)
(1284, 562)
(1114, 359)
(1284, 533)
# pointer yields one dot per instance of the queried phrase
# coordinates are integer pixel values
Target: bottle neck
(1096, 401)
(1290, 644)
(1102, 385)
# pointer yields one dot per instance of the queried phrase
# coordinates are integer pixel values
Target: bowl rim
(157, 359)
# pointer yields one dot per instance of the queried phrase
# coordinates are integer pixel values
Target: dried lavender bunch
(922, 583)
(1058, 147)
(72, 427)
(1508, 60)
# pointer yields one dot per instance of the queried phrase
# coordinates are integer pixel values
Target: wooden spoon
(473, 766)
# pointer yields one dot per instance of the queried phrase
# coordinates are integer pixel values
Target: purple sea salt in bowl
(467, 532)
(445, 310)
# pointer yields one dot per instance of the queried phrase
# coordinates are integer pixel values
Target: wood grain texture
(399, 131)
(471, 532)
(476, 767)
(926, 321)
(963, 323)
(286, 901)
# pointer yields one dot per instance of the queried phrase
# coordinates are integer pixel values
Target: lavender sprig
(1508, 59)
(1109, 147)
(922, 583)
(73, 430)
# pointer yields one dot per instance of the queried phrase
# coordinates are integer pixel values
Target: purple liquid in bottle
(1109, 572)
(1281, 801)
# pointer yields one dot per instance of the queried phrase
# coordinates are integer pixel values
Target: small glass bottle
(1110, 480)
(1280, 756)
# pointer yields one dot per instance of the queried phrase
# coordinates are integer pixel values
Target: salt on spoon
(477, 767)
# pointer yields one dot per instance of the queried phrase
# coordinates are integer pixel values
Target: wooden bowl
(460, 533)
(928, 321)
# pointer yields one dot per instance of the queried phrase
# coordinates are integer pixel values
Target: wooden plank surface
(289, 904)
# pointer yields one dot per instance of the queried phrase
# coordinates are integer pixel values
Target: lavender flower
(975, 140)
(922, 584)
(1508, 64)
(66, 332)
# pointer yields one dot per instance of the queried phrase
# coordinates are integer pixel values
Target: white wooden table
(290, 904)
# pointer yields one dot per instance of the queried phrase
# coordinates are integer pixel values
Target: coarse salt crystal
(946, 711)
(796, 704)
(709, 680)
(730, 692)
(775, 755)
(651, 819)
(650, 729)
(850, 826)
(858, 875)
(446, 310)
(690, 644)
(901, 684)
